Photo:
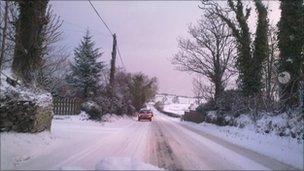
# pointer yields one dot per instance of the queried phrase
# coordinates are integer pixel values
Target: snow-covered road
(191, 149)
(164, 143)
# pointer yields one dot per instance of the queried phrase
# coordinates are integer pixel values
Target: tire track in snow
(100, 145)
(195, 152)
(162, 153)
(129, 142)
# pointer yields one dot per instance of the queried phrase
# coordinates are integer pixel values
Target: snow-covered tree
(86, 71)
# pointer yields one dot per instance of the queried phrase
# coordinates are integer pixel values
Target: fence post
(69, 106)
(61, 106)
(54, 105)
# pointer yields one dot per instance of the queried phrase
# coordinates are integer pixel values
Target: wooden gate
(66, 106)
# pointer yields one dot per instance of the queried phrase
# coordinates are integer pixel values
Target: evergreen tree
(291, 45)
(142, 89)
(261, 48)
(86, 71)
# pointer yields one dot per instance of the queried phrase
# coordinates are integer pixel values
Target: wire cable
(119, 54)
(101, 18)
(118, 51)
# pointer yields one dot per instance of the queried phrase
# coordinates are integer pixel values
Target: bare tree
(251, 54)
(209, 52)
(270, 71)
(202, 91)
(54, 63)
(8, 18)
(4, 31)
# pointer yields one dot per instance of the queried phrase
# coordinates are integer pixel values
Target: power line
(119, 54)
(100, 17)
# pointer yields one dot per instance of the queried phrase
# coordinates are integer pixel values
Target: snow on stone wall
(24, 109)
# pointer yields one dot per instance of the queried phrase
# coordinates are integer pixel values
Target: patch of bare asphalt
(162, 154)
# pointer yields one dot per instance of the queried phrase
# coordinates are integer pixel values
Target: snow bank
(121, 163)
(72, 168)
(284, 149)
(113, 117)
(20, 147)
(24, 109)
(243, 121)
(40, 97)
(83, 116)
(282, 124)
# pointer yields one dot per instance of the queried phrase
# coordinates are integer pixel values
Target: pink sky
(147, 34)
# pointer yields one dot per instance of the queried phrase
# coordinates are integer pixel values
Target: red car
(145, 114)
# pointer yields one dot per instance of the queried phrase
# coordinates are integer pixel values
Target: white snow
(284, 149)
(123, 163)
(76, 143)
(71, 138)
(72, 168)
(169, 99)
(40, 97)
(20, 147)
(177, 107)
(243, 120)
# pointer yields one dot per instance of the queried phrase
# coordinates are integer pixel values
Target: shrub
(92, 109)
(209, 106)
(193, 116)
(232, 102)
(159, 105)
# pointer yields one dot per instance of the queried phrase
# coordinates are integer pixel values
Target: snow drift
(123, 163)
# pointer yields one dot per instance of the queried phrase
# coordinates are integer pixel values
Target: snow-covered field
(176, 108)
(176, 105)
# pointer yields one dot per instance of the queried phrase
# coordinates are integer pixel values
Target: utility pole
(112, 70)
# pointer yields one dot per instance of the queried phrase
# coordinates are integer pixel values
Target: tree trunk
(218, 89)
(28, 38)
(5, 20)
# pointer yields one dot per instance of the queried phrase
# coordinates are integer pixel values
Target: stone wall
(22, 113)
